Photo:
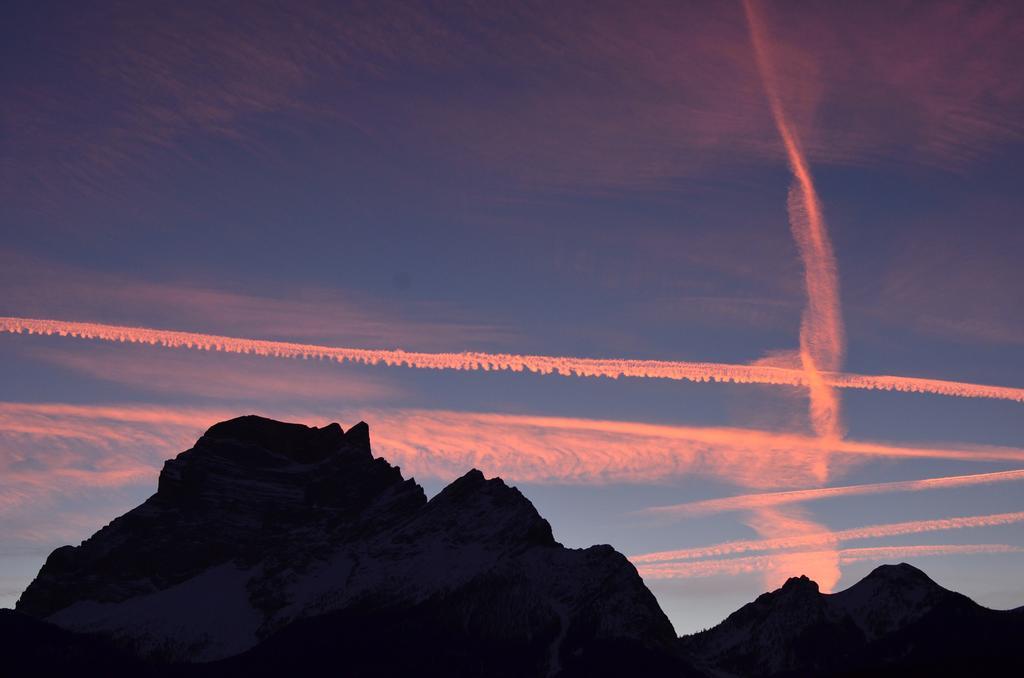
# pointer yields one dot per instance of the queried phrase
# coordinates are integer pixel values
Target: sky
(732, 286)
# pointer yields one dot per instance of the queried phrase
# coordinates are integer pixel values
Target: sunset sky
(776, 202)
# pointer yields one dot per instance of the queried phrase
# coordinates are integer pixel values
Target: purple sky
(587, 180)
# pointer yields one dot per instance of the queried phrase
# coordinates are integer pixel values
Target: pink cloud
(106, 456)
(42, 439)
(821, 564)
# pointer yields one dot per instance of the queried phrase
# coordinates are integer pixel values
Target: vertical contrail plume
(821, 330)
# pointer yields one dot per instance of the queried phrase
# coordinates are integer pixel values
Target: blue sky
(587, 180)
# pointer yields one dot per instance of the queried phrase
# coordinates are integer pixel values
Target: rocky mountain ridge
(896, 620)
(279, 549)
(262, 524)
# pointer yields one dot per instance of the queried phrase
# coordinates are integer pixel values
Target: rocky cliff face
(264, 527)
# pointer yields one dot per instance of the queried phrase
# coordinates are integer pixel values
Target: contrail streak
(827, 538)
(821, 329)
(766, 499)
(568, 366)
(896, 552)
(749, 564)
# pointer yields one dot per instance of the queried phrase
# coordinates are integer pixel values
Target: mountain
(278, 545)
(895, 621)
(276, 549)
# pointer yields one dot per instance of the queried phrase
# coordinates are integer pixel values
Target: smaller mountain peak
(358, 435)
(470, 484)
(332, 430)
(499, 508)
(902, 573)
(475, 477)
(803, 584)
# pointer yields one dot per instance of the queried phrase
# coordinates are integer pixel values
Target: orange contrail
(821, 329)
(766, 499)
(748, 564)
(827, 538)
(582, 367)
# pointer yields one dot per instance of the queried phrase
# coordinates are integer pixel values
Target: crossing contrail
(563, 365)
(765, 499)
(830, 538)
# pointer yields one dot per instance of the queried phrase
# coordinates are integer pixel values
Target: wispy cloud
(786, 522)
(53, 448)
(561, 449)
(642, 93)
(285, 311)
(66, 469)
(216, 377)
(957, 284)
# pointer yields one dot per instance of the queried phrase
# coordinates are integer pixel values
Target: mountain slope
(277, 549)
(895, 621)
(29, 647)
(277, 534)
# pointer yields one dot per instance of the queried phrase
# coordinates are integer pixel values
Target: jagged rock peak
(802, 584)
(263, 524)
(503, 512)
(358, 435)
(474, 481)
(300, 443)
(250, 488)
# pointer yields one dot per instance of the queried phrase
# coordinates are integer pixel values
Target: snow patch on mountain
(206, 617)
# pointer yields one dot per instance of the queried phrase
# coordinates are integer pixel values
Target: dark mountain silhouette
(29, 647)
(281, 545)
(895, 621)
(278, 549)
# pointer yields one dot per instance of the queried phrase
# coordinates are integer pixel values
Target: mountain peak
(248, 485)
(796, 630)
(297, 442)
(264, 524)
(358, 435)
(802, 584)
(500, 513)
(900, 582)
(472, 478)
(473, 483)
(889, 597)
(902, 573)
